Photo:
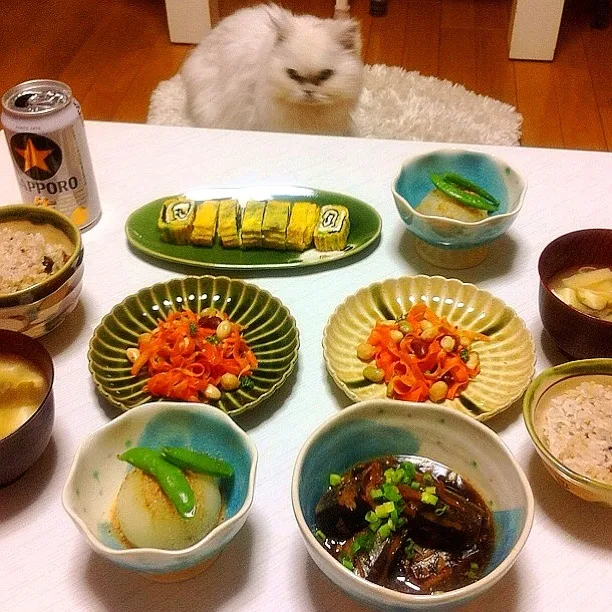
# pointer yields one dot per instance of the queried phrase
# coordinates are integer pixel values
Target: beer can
(45, 132)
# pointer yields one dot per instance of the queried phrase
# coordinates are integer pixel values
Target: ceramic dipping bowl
(446, 242)
(20, 449)
(386, 427)
(576, 333)
(90, 492)
(548, 385)
(41, 307)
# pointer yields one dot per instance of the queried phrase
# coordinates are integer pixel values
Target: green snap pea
(195, 461)
(467, 184)
(170, 478)
(459, 190)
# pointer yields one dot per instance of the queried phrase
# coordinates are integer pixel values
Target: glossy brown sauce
(438, 547)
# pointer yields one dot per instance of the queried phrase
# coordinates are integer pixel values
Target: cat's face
(316, 61)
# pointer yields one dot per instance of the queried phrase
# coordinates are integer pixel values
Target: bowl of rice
(42, 271)
(568, 413)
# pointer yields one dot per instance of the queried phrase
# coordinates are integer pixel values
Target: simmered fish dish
(406, 523)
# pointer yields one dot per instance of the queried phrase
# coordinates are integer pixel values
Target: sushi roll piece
(332, 229)
(176, 219)
(252, 221)
(275, 222)
(205, 223)
(302, 222)
(228, 223)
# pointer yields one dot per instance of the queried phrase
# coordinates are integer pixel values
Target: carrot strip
(432, 350)
(183, 355)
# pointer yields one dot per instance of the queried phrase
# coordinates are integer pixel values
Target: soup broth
(22, 389)
(587, 289)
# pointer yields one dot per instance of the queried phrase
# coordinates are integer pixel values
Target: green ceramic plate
(143, 235)
(507, 361)
(271, 333)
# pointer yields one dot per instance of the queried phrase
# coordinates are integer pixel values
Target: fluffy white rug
(395, 104)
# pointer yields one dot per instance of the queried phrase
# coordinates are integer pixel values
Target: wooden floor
(114, 52)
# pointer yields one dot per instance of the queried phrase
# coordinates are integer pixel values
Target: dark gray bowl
(22, 448)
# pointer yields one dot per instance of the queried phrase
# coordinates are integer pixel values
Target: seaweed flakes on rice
(28, 258)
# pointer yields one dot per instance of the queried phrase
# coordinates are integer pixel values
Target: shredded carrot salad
(193, 357)
(421, 356)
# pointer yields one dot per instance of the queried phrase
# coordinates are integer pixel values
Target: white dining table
(45, 562)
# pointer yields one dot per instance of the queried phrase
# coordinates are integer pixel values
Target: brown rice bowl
(565, 410)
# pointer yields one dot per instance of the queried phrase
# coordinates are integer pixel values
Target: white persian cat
(263, 68)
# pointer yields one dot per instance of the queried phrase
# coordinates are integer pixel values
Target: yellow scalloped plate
(507, 362)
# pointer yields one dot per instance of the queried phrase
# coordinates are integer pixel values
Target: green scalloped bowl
(142, 233)
(271, 333)
(507, 362)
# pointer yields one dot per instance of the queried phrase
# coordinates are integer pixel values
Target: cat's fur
(263, 68)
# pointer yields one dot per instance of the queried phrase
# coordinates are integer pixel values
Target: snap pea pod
(195, 461)
(467, 184)
(462, 194)
(170, 478)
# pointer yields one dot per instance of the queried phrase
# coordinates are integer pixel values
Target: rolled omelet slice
(333, 227)
(148, 519)
(176, 219)
(275, 222)
(252, 221)
(205, 223)
(228, 225)
(302, 222)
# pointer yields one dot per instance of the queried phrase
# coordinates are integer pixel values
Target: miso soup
(587, 289)
(22, 389)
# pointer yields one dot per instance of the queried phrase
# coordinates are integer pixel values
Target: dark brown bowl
(22, 448)
(578, 334)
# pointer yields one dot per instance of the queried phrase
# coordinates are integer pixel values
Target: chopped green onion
(398, 476)
(410, 551)
(320, 535)
(464, 354)
(363, 541)
(474, 566)
(213, 339)
(391, 492)
(376, 493)
(440, 511)
(431, 490)
(389, 475)
(193, 329)
(334, 479)
(428, 479)
(347, 563)
(428, 498)
(409, 471)
(371, 516)
(383, 510)
(415, 485)
(384, 531)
